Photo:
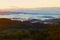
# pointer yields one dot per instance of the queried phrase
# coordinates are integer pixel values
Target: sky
(16, 4)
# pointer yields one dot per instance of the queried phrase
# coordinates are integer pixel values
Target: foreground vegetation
(17, 30)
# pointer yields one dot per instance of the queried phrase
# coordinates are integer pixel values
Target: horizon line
(26, 8)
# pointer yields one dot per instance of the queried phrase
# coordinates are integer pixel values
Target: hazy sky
(6, 4)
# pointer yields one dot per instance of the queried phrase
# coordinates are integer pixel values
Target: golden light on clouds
(7, 4)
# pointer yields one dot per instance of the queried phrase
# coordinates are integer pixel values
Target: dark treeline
(18, 30)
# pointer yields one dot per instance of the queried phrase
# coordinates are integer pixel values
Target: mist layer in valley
(26, 14)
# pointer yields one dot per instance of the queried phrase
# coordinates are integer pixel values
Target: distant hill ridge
(47, 10)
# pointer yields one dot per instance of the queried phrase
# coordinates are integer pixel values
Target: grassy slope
(17, 30)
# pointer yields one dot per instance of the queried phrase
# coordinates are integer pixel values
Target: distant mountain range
(27, 14)
(48, 10)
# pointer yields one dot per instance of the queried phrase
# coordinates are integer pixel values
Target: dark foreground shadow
(17, 30)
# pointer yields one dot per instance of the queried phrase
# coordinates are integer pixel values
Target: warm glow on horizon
(15, 4)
